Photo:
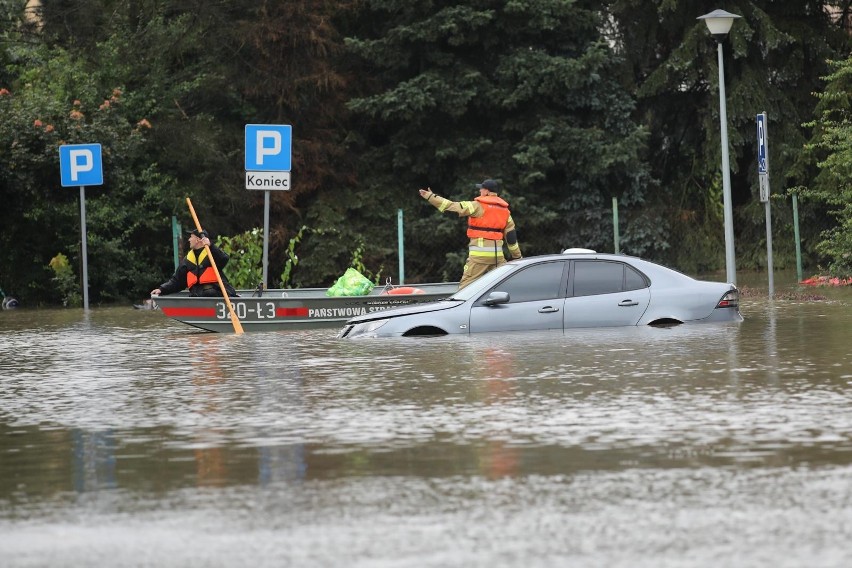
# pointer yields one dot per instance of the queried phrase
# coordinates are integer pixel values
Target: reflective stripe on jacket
(486, 248)
(492, 223)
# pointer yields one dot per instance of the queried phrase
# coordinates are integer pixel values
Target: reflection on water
(145, 442)
(93, 460)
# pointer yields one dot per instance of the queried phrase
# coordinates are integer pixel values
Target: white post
(401, 247)
(730, 264)
(266, 239)
(85, 254)
(763, 139)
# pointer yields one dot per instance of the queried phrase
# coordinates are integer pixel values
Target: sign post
(81, 164)
(400, 244)
(763, 179)
(269, 149)
(615, 238)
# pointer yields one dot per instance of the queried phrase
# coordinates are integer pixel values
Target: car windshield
(482, 283)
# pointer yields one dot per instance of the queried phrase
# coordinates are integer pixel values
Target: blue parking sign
(762, 158)
(268, 147)
(81, 164)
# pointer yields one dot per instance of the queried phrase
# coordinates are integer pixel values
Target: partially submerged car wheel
(665, 322)
(425, 331)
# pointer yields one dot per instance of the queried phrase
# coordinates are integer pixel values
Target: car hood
(445, 304)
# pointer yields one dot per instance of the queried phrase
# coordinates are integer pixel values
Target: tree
(40, 218)
(524, 91)
(774, 56)
(122, 89)
(290, 67)
(830, 149)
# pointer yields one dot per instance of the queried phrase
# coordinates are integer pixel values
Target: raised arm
(462, 208)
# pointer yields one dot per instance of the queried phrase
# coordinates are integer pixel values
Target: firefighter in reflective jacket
(489, 224)
(196, 272)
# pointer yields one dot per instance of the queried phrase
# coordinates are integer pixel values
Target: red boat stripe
(189, 312)
(291, 312)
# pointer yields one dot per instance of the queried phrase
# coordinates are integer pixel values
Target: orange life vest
(207, 275)
(493, 221)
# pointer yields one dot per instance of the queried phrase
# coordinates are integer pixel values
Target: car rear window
(633, 279)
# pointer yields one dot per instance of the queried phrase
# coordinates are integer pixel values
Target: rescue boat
(296, 308)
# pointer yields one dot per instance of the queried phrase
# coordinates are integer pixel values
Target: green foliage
(357, 263)
(40, 115)
(292, 258)
(65, 281)
(245, 266)
(831, 149)
(340, 220)
(190, 75)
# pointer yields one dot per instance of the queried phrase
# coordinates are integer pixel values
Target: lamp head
(719, 23)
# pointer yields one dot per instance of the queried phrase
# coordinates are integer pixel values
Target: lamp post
(719, 23)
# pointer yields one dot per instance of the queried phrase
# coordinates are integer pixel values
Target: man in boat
(489, 224)
(195, 270)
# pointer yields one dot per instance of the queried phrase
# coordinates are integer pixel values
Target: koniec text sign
(268, 180)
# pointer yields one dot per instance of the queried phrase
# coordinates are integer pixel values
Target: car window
(605, 277)
(538, 282)
(633, 279)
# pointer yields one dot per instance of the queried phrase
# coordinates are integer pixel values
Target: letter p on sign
(81, 164)
(268, 147)
(273, 148)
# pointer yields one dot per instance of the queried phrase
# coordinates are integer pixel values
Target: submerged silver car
(578, 288)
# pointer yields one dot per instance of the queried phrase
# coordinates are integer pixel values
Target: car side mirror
(495, 298)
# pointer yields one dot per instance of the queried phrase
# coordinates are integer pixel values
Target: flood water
(130, 440)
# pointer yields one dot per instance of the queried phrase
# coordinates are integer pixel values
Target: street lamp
(719, 23)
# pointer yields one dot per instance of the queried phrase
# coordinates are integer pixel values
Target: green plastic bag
(352, 283)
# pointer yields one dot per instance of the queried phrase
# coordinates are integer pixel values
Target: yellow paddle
(238, 327)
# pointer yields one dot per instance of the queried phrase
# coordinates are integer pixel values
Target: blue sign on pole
(269, 147)
(762, 165)
(81, 164)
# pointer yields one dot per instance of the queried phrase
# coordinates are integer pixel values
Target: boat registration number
(255, 310)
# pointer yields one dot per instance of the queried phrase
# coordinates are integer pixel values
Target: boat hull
(298, 308)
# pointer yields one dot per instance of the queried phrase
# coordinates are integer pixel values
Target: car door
(536, 298)
(605, 293)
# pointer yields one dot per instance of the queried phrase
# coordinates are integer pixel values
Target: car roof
(586, 254)
(578, 254)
